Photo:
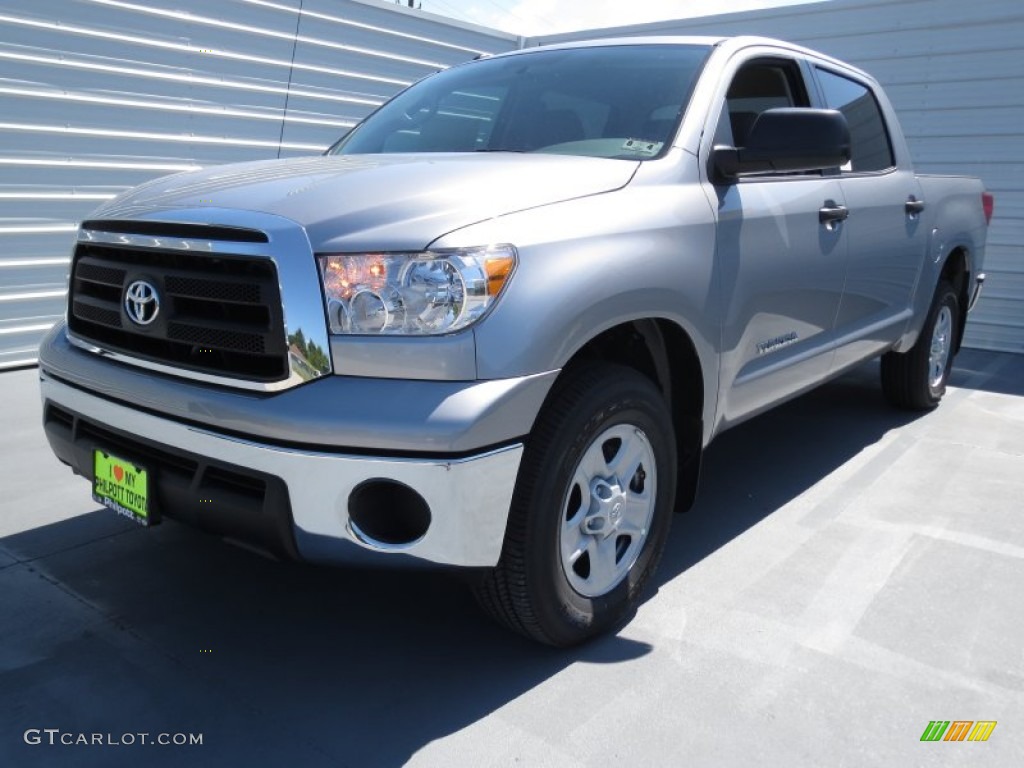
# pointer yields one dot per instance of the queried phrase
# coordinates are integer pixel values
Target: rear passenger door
(780, 264)
(887, 240)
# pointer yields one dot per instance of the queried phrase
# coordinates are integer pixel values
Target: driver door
(781, 266)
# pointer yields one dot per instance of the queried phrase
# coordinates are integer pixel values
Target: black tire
(529, 590)
(908, 378)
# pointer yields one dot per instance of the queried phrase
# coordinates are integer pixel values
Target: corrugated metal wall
(100, 95)
(955, 73)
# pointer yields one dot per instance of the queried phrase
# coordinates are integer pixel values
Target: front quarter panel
(586, 265)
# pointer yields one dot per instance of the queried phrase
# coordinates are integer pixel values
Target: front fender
(590, 264)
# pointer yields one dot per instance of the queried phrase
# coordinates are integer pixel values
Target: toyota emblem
(141, 302)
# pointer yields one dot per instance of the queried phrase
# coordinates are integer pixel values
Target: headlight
(412, 294)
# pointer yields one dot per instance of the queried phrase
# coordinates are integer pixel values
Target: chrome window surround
(299, 284)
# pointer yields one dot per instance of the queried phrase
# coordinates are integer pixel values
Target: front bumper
(304, 509)
(377, 416)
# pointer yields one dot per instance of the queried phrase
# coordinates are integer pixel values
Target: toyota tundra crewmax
(496, 324)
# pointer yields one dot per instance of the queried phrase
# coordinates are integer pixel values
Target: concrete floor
(850, 573)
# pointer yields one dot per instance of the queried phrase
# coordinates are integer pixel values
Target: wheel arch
(956, 270)
(664, 352)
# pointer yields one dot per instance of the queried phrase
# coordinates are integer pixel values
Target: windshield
(610, 101)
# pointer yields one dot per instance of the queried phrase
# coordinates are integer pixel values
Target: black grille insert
(212, 337)
(218, 290)
(219, 313)
(97, 315)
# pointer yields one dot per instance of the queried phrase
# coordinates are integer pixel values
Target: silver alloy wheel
(607, 510)
(942, 343)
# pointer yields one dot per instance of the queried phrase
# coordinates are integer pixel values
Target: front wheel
(591, 509)
(916, 379)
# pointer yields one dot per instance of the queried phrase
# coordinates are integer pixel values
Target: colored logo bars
(958, 730)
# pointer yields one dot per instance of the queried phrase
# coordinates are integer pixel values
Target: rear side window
(871, 147)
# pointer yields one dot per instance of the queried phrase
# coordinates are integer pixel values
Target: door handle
(831, 212)
(914, 206)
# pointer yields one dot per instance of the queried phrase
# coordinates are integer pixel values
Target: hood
(379, 202)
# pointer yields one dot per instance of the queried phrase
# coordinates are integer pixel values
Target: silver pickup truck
(495, 325)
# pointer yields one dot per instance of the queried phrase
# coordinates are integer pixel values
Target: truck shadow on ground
(757, 467)
(279, 662)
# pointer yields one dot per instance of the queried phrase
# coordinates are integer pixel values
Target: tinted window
(758, 85)
(871, 148)
(605, 101)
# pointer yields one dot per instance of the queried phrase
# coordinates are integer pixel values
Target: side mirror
(788, 140)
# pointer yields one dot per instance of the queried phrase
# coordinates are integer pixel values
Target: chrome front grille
(220, 313)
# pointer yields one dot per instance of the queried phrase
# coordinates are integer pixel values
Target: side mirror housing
(788, 140)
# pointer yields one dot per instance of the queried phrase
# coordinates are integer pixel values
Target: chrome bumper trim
(979, 283)
(293, 380)
(469, 498)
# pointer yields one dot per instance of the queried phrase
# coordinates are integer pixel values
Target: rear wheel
(916, 379)
(591, 509)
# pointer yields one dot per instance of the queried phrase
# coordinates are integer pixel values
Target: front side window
(869, 139)
(758, 85)
(605, 101)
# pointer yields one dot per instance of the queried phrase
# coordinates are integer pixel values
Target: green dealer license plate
(121, 485)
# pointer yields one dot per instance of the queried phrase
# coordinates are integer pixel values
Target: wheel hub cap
(607, 503)
(942, 342)
(607, 510)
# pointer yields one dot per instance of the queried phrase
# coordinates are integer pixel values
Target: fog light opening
(387, 512)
